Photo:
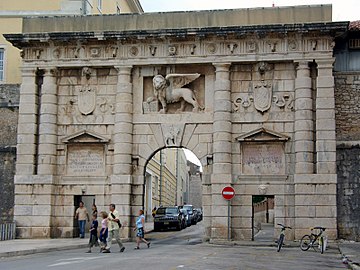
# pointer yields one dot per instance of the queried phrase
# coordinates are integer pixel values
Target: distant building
(195, 185)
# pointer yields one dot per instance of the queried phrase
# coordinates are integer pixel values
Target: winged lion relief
(170, 89)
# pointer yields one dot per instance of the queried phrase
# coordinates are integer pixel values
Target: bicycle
(316, 241)
(280, 241)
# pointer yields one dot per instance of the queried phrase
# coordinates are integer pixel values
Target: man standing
(82, 215)
(113, 229)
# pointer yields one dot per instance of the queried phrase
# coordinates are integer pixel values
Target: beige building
(12, 13)
(165, 179)
(250, 92)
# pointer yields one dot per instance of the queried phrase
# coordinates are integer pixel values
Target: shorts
(140, 232)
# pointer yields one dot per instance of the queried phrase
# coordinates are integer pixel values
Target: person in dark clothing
(93, 241)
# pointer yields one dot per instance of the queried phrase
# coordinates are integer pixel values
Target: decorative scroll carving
(170, 90)
(286, 101)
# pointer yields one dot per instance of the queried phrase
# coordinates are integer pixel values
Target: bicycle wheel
(280, 242)
(305, 242)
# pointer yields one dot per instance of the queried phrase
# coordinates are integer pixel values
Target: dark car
(200, 214)
(168, 217)
(190, 209)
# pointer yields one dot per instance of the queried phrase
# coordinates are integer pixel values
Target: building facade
(250, 92)
(12, 13)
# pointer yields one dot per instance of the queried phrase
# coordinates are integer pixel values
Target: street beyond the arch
(182, 250)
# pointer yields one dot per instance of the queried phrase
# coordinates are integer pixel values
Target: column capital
(28, 71)
(124, 70)
(225, 67)
(303, 64)
(50, 71)
(325, 63)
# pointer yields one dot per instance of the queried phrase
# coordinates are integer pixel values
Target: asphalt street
(179, 250)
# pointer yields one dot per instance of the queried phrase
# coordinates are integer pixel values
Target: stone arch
(151, 138)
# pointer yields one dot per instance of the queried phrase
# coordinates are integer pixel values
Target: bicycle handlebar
(318, 228)
(285, 227)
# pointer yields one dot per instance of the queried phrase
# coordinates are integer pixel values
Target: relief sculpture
(87, 94)
(170, 90)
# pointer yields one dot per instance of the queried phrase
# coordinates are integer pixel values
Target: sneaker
(148, 244)
(106, 251)
(136, 248)
(122, 249)
(89, 251)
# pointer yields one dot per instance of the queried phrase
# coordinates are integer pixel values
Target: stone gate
(250, 92)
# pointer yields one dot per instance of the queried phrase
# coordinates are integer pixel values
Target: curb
(39, 250)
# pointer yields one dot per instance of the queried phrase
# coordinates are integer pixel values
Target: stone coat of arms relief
(169, 89)
(261, 96)
(87, 93)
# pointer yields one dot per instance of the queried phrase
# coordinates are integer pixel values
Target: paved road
(179, 250)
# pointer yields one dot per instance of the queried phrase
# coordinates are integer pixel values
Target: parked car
(190, 209)
(168, 217)
(186, 216)
(200, 214)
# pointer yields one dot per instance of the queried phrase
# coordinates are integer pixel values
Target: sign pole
(228, 220)
(228, 193)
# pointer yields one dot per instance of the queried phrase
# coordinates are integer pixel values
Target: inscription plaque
(263, 159)
(85, 160)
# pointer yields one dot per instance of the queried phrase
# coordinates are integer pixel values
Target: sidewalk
(351, 253)
(21, 247)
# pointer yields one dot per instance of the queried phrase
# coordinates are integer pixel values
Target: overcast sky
(343, 10)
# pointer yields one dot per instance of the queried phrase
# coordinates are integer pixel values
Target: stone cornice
(321, 29)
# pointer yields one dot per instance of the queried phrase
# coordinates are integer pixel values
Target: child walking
(140, 224)
(104, 230)
(93, 241)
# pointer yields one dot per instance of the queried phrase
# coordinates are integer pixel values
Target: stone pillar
(304, 148)
(48, 124)
(222, 129)
(326, 208)
(304, 124)
(122, 169)
(325, 119)
(27, 123)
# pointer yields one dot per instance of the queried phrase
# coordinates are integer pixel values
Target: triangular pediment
(262, 135)
(85, 137)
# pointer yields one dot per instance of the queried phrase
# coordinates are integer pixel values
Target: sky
(343, 10)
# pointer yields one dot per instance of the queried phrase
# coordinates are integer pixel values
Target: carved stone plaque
(263, 159)
(85, 160)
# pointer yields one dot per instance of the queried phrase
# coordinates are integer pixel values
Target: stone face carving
(87, 94)
(169, 90)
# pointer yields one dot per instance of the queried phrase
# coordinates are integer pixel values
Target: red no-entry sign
(228, 193)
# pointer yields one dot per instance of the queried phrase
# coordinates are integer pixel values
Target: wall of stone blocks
(9, 100)
(347, 102)
(347, 93)
(348, 192)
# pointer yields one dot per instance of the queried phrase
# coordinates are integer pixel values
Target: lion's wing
(179, 80)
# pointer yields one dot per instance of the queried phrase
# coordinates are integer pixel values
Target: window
(99, 5)
(2, 52)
